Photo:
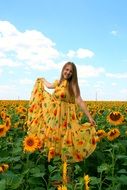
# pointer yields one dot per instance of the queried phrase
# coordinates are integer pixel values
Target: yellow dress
(53, 118)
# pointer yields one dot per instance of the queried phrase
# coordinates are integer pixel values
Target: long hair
(73, 80)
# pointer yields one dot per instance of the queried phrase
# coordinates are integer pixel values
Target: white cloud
(71, 53)
(124, 91)
(8, 62)
(80, 53)
(98, 85)
(89, 71)
(26, 81)
(83, 82)
(31, 47)
(114, 32)
(7, 91)
(83, 53)
(114, 84)
(1, 71)
(117, 75)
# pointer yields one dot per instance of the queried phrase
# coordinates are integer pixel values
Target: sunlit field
(24, 165)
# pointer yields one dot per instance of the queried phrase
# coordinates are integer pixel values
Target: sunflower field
(25, 166)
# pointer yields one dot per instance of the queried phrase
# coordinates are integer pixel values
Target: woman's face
(67, 72)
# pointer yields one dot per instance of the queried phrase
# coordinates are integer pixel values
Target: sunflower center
(30, 142)
(1, 130)
(101, 111)
(112, 133)
(115, 116)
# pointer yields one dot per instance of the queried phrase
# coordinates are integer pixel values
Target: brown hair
(73, 80)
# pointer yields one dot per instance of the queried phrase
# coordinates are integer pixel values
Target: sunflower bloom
(16, 124)
(87, 180)
(63, 187)
(3, 115)
(30, 143)
(101, 111)
(97, 139)
(113, 134)
(101, 134)
(40, 143)
(51, 153)
(21, 110)
(8, 123)
(65, 172)
(3, 167)
(3, 130)
(23, 117)
(115, 118)
(80, 115)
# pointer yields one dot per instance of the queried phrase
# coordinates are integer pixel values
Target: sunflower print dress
(52, 117)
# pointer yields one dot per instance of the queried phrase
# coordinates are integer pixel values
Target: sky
(37, 37)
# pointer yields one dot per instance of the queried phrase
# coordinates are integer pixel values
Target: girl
(52, 117)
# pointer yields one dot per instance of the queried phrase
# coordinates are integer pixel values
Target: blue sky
(38, 36)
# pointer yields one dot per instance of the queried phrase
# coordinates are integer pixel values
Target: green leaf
(16, 181)
(38, 174)
(3, 184)
(94, 180)
(77, 169)
(35, 170)
(102, 168)
(122, 171)
(51, 168)
(123, 179)
(34, 181)
(55, 177)
(39, 188)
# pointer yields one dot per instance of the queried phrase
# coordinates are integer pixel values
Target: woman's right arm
(48, 84)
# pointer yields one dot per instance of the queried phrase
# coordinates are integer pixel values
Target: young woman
(53, 117)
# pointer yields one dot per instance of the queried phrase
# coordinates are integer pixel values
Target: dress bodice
(61, 92)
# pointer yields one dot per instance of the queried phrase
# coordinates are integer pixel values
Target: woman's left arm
(84, 108)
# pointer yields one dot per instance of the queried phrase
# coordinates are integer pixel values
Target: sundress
(53, 118)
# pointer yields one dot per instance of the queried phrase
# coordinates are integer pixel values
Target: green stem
(113, 167)
(100, 181)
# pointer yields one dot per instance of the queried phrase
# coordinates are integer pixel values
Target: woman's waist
(64, 100)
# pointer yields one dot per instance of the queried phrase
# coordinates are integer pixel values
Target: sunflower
(101, 111)
(113, 134)
(23, 117)
(65, 172)
(3, 130)
(101, 134)
(16, 125)
(51, 153)
(3, 167)
(40, 142)
(87, 180)
(8, 122)
(21, 109)
(115, 118)
(3, 115)
(63, 187)
(30, 143)
(92, 112)
(80, 115)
